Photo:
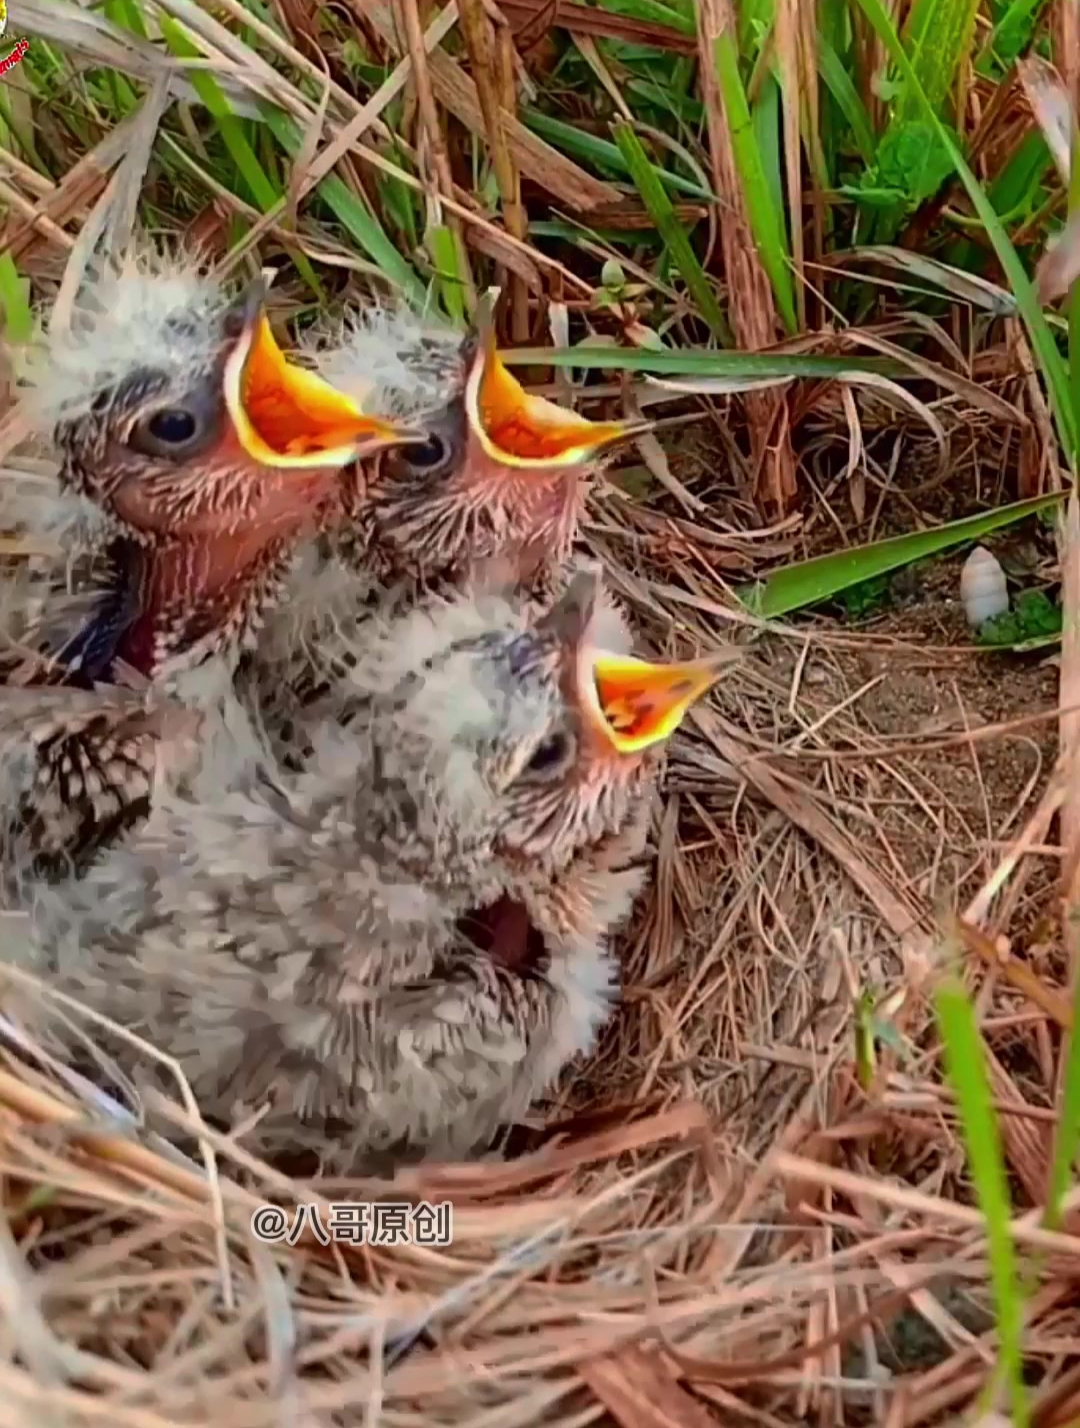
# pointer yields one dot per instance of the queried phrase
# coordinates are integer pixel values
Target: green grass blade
(443, 247)
(1042, 341)
(353, 214)
(811, 581)
(661, 211)
(260, 189)
(839, 84)
(602, 154)
(965, 1063)
(1067, 1135)
(938, 35)
(653, 11)
(15, 302)
(766, 221)
(697, 362)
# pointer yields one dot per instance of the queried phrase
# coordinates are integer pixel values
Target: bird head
(175, 410)
(528, 740)
(206, 449)
(498, 469)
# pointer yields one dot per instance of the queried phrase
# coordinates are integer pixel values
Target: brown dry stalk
(640, 1391)
(491, 88)
(753, 310)
(1065, 29)
(412, 28)
(1018, 974)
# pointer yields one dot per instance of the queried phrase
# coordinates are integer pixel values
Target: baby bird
(330, 951)
(500, 477)
(196, 458)
(500, 472)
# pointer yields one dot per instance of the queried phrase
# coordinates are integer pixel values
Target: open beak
(285, 416)
(527, 432)
(637, 704)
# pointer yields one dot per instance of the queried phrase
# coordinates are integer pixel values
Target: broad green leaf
(965, 1062)
(811, 581)
(1012, 33)
(938, 38)
(18, 315)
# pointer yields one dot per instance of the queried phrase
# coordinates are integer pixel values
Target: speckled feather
(410, 533)
(131, 584)
(301, 946)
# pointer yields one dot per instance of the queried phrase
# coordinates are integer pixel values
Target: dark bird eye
(181, 432)
(548, 755)
(425, 454)
(173, 426)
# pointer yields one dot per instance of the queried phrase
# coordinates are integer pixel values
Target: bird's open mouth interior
(504, 931)
(641, 704)
(519, 429)
(285, 415)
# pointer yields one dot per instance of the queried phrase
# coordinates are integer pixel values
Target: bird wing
(78, 768)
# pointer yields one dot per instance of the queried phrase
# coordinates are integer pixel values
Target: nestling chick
(208, 458)
(313, 949)
(501, 476)
(500, 472)
(177, 415)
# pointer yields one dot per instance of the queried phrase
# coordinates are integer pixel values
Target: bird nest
(750, 1207)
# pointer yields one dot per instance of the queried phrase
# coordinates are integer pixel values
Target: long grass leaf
(1067, 1134)
(1045, 348)
(261, 190)
(443, 246)
(662, 213)
(766, 221)
(697, 362)
(810, 581)
(840, 85)
(601, 153)
(965, 1062)
(354, 215)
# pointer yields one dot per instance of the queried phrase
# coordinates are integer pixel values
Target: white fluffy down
(125, 318)
(394, 362)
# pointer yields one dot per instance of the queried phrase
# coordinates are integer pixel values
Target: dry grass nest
(729, 1216)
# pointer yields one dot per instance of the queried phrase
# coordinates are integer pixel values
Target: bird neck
(198, 596)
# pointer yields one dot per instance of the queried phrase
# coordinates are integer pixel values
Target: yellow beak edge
(285, 416)
(637, 704)
(526, 432)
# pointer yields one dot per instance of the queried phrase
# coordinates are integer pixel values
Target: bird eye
(550, 754)
(177, 433)
(173, 426)
(425, 454)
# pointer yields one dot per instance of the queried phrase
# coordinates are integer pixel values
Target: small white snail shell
(983, 591)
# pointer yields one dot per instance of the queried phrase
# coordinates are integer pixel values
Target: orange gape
(638, 704)
(531, 428)
(293, 411)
